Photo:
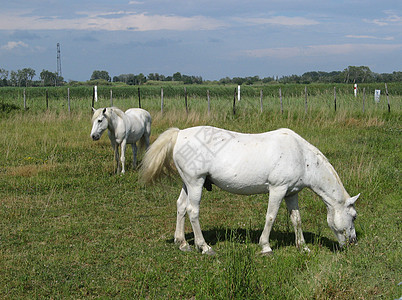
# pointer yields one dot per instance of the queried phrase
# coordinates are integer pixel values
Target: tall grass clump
(239, 269)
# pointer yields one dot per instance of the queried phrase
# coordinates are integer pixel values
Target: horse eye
(99, 121)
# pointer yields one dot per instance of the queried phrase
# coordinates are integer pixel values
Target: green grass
(70, 228)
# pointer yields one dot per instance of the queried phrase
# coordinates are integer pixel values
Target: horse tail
(143, 143)
(158, 158)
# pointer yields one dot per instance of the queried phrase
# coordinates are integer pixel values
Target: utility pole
(59, 75)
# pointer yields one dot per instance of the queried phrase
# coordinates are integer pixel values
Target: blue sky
(212, 39)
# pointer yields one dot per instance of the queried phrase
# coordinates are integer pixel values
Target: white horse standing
(279, 162)
(124, 128)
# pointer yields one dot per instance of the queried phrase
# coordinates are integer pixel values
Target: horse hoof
(185, 248)
(267, 253)
(209, 252)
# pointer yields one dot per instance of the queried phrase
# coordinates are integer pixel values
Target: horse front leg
(115, 147)
(292, 204)
(179, 237)
(123, 155)
(276, 194)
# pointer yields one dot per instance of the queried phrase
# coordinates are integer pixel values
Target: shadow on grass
(278, 239)
(7, 108)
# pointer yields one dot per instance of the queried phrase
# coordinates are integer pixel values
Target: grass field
(70, 228)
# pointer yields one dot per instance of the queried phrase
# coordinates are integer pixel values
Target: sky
(208, 38)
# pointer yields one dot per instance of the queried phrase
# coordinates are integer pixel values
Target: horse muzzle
(349, 242)
(353, 240)
(95, 137)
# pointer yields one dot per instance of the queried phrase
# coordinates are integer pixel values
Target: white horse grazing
(124, 128)
(279, 162)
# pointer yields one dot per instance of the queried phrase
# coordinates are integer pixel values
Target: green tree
(140, 79)
(48, 78)
(177, 76)
(353, 74)
(3, 77)
(13, 78)
(22, 77)
(100, 75)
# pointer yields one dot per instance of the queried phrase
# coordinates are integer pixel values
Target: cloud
(111, 21)
(320, 50)
(281, 21)
(385, 38)
(14, 45)
(391, 19)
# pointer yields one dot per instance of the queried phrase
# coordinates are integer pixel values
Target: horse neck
(327, 184)
(113, 121)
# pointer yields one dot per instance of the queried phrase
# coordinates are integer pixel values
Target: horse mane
(114, 109)
(118, 111)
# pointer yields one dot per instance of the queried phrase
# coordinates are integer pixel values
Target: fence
(208, 98)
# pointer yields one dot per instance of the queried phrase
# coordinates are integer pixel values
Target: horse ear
(352, 200)
(104, 110)
(93, 109)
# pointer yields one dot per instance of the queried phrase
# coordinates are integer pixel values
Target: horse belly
(134, 136)
(241, 189)
(257, 169)
(244, 178)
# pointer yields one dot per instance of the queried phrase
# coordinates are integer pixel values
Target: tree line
(24, 77)
(352, 74)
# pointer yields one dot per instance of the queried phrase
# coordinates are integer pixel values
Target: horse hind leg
(147, 134)
(134, 148)
(179, 237)
(292, 204)
(145, 138)
(193, 211)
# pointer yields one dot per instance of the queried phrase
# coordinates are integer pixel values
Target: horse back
(242, 163)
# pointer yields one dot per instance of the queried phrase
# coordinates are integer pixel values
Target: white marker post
(377, 95)
(238, 93)
(96, 93)
(355, 90)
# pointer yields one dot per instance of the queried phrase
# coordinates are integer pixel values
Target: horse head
(99, 123)
(341, 220)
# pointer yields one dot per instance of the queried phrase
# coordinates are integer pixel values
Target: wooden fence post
(305, 99)
(386, 92)
(209, 103)
(162, 100)
(47, 99)
(261, 100)
(280, 97)
(139, 98)
(111, 97)
(25, 100)
(68, 99)
(185, 99)
(93, 97)
(364, 97)
(234, 102)
(335, 97)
